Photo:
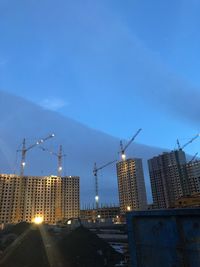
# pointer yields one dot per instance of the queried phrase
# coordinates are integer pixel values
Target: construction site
(53, 203)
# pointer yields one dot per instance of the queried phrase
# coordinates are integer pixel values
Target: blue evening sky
(114, 65)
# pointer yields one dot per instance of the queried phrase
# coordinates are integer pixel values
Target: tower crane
(24, 150)
(59, 156)
(189, 142)
(95, 172)
(193, 158)
(22, 166)
(123, 148)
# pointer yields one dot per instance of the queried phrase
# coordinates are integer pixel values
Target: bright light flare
(38, 220)
(23, 164)
(123, 156)
(128, 208)
(97, 198)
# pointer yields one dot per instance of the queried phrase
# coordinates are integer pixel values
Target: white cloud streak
(53, 103)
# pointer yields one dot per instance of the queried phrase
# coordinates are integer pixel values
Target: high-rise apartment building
(168, 176)
(51, 198)
(131, 185)
(70, 192)
(193, 176)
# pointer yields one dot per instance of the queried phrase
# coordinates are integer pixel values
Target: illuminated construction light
(128, 208)
(38, 220)
(99, 216)
(96, 198)
(69, 222)
(123, 156)
(23, 164)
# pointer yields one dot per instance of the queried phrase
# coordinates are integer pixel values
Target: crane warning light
(123, 156)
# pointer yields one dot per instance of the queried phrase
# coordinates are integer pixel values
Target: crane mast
(96, 186)
(22, 165)
(59, 156)
(24, 150)
(123, 149)
(95, 172)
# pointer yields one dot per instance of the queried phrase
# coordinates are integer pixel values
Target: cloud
(134, 66)
(82, 145)
(53, 103)
(146, 73)
(162, 87)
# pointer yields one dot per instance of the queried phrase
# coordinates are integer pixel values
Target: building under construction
(41, 198)
(188, 201)
(105, 213)
(172, 178)
(131, 185)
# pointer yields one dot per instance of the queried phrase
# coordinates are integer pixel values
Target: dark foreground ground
(38, 247)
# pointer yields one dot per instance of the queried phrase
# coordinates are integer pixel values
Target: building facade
(44, 197)
(193, 175)
(104, 213)
(70, 192)
(131, 185)
(190, 201)
(169, 179)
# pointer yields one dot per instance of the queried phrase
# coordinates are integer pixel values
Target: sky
(113, 65)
